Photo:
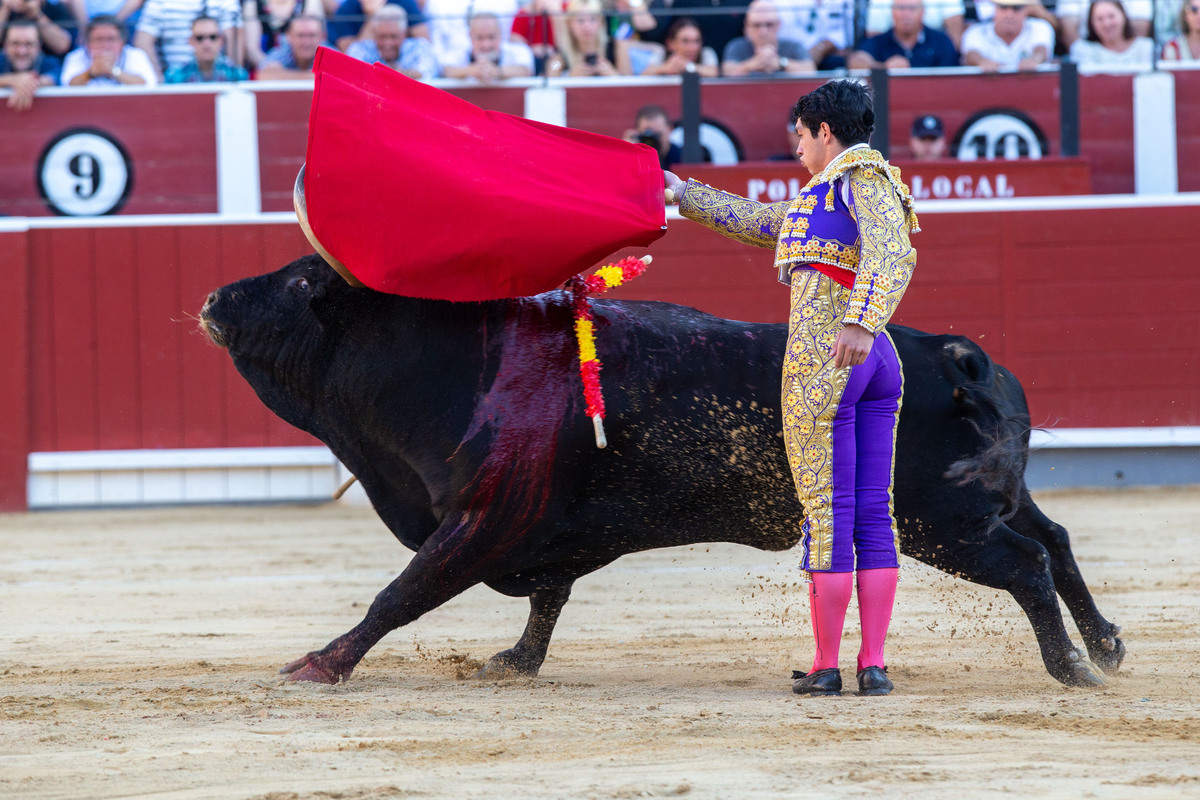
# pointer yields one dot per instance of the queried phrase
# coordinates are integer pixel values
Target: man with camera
(652, 127)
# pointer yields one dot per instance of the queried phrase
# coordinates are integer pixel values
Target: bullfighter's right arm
(746, 221)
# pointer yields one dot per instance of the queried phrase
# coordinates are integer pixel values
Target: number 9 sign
(84, 172)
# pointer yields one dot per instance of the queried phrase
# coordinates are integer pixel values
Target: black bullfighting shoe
(874, 682)
(822, 683)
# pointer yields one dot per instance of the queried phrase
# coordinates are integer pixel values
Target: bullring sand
(139, 653)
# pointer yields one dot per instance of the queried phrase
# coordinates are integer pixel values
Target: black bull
(464, 422)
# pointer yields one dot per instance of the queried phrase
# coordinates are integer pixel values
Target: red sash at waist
(836, 274)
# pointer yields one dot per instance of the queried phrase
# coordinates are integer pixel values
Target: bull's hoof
(1109, 653)
(508, 664)
(1083, 674)
(312, 668)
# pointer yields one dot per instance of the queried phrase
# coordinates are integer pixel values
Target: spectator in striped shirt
(209, 64)
(164, 30)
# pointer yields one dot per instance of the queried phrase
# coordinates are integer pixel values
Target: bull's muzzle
(215, 333)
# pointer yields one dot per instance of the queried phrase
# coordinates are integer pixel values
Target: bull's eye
(301, 284)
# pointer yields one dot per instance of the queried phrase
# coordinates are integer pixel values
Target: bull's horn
(302, 215)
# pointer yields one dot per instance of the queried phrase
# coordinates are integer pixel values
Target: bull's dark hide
(464, 422)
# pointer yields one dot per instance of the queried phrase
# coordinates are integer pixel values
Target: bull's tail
(999, 465)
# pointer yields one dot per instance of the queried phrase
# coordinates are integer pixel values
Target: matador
(842, 245)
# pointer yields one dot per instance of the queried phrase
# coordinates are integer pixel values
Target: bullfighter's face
(814, 150)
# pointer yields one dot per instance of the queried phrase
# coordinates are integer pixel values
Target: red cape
(419, 193)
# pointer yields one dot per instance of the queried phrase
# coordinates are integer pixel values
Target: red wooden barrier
(15, 390)
(170, 137)
(117, 361)
(1187, 129)
(103, 352)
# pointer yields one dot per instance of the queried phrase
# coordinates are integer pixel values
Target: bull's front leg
(995, 555)
(456, 557)
(1100, 636)
(526, 656)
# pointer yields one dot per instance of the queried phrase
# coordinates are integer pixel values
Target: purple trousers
(840, 433)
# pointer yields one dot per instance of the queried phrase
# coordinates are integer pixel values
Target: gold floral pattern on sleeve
(746, 221)
(886, 258)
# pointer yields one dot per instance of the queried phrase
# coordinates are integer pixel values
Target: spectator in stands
(49, 18)
(534, 26)
(910, 43)
(265, 20)
(1110, 40)
(824, 27)
(448, 24)
(105, 59)
(24, 68)
(293, 59)
(389, 44)
(948, 16)
(208, 65)
(127, 11)
(718, 30)
(353, 18)
(760, 50)
(928, 138)
(584, 48)
(1185, 46)
(1073, 17)
(653, 127)
(491, 59)
(684, 51)
(164, 29)
(1010, 41)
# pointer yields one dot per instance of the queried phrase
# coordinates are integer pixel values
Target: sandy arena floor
(139, 649)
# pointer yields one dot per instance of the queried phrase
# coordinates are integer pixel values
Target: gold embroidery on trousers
(812, 390)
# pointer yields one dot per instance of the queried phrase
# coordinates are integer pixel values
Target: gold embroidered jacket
(882, 258)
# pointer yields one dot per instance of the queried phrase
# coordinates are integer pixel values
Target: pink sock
(828, 596)
(876, 595)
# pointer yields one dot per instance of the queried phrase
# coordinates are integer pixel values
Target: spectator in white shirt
(1012, 40)
(1073, 16)
(105, 59)
(1110, 40)
(491, 59)
(448, 28)
(824, 27)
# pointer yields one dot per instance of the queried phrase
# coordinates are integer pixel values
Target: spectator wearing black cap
(910, 43)
(928, 138)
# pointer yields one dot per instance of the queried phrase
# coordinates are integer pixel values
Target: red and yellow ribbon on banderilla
(581, 289)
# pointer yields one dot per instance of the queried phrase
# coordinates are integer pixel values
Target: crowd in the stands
(146, 42)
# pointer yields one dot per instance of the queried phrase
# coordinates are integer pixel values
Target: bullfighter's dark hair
(845, 105)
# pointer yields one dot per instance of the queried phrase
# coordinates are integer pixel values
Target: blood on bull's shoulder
(464, 422)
